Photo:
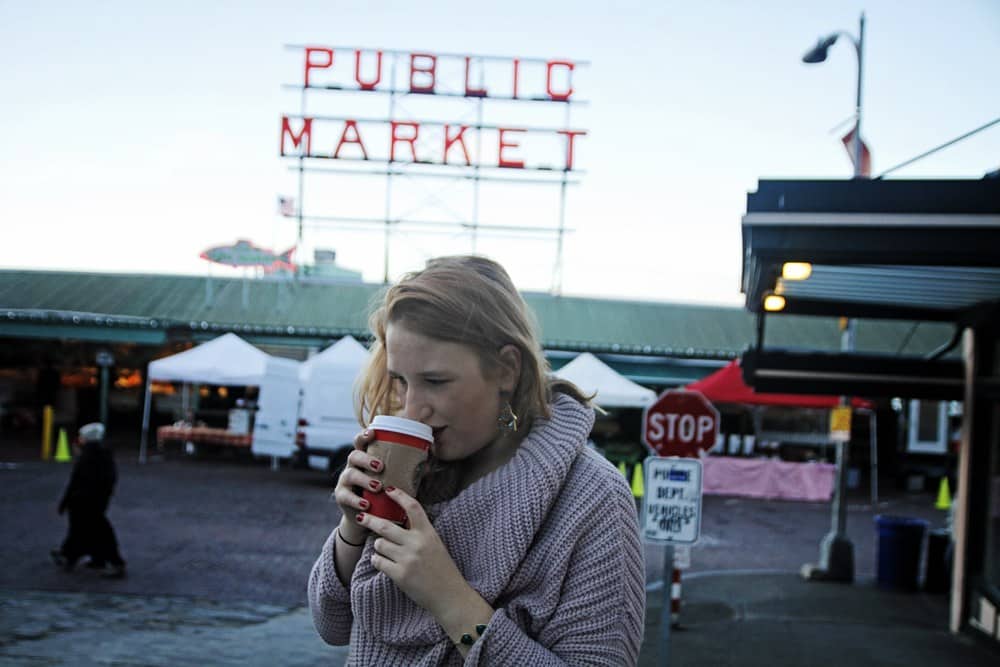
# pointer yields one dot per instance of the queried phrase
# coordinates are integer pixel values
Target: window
(928, 431)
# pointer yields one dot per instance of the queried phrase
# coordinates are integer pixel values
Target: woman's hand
(354, 478)
(417, 560)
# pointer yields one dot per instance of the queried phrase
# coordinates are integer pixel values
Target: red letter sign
(570, 136)
(304, 133)
(469, 91)
(355, 139)
(501, 160)
(409, 140)
(558, 97)
(310, 64)
(425, 68)
(367, 85)
(459, 138)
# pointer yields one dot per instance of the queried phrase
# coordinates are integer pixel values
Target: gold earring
(507, 421)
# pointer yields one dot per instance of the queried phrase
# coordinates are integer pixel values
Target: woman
(522, 546)
(87, 496)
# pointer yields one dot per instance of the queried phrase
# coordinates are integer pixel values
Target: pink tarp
(767, 478)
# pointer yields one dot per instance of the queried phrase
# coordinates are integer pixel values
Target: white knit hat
(92, 432)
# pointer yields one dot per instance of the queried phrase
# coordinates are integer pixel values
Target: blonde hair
(469, 300)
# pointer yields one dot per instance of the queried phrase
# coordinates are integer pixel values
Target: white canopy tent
(327, 421)
(230, 360)
(347, 355)
(613, 389)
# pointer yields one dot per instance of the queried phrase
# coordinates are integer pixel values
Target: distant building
(325, 267)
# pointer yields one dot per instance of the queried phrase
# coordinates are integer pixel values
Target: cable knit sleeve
(599, 616)
(329, 600)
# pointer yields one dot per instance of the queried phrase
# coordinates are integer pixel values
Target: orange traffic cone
(62, 449)
(944, 495)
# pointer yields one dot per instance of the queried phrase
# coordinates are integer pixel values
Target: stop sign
(680, 423)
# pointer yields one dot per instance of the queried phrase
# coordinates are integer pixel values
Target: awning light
(773, 303)
(796, 270)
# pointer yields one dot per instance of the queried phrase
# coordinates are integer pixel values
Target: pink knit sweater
(550, 540)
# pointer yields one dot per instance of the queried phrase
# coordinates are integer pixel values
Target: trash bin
(900, 541)
(937, 577)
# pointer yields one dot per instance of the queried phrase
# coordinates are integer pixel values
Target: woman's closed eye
(400, 384)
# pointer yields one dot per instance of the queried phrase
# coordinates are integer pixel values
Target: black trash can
(937, 578)
(900, 541)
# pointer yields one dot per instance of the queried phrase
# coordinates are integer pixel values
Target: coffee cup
(402, 446)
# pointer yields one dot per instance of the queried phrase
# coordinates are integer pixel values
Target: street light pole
(836, 549)
(818, 54)
(859, 48)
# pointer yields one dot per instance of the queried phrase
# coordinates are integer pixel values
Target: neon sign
(431, 141)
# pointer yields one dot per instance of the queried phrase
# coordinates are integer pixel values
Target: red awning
(726, 386)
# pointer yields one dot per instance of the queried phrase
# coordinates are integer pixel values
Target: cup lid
(403, 425)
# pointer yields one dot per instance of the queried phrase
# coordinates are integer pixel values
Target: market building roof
(155, 309)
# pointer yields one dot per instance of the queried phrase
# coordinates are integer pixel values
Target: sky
(137, 135)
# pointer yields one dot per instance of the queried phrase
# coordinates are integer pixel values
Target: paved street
(219, 551)
(82, 629)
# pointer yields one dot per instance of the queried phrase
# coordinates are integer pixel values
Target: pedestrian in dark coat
(86, 498)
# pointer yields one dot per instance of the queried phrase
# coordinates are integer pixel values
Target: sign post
(678, 424)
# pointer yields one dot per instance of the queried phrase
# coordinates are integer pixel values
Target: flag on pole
(866, 156)
(286, 206)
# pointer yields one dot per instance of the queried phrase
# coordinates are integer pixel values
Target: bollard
(675, 598)
(666, 613)
(47, 416)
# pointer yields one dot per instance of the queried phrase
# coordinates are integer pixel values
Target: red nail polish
(390, 488)
(363, 504)
(360, 517)
(375, 465)
(373, 485)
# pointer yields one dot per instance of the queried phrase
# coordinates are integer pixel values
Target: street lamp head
(817, 54)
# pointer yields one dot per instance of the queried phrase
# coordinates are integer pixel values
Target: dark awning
(915, 250)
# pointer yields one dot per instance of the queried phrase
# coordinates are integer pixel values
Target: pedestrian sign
(671, 508)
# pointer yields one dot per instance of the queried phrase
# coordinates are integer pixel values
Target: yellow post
(638, 487)
(62, 449)
(621, 469)
(944, 495)
(47, 415)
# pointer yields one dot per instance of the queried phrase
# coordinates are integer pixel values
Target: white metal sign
(671, 508)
